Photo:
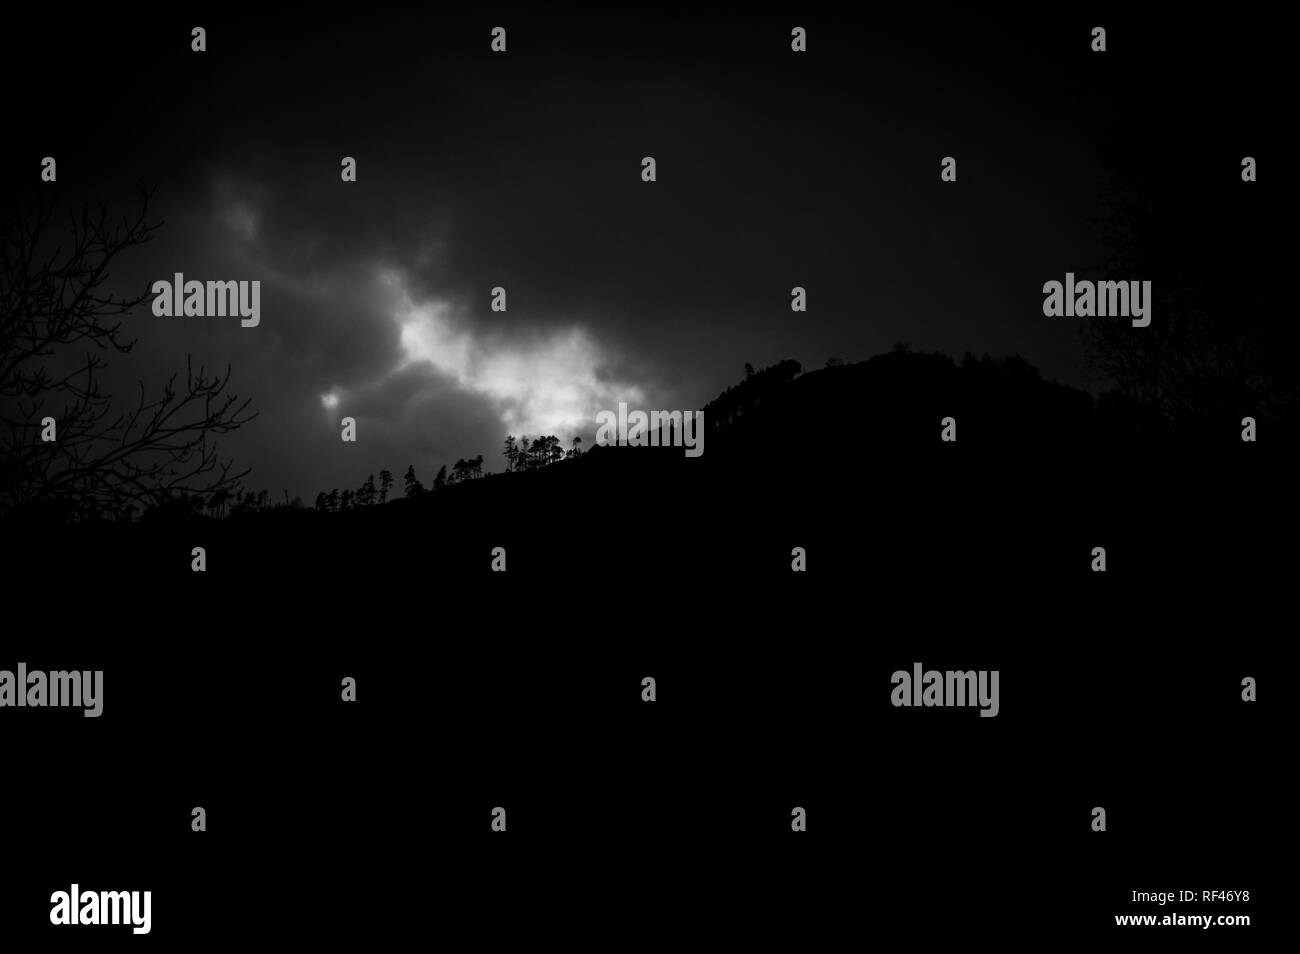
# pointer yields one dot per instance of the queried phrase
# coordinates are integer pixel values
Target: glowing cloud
(540, 383)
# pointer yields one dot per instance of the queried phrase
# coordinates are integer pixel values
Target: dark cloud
(523, 171)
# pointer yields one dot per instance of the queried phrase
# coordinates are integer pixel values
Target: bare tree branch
(105, 462)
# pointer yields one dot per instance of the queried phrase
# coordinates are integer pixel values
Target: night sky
(1118, 564)
(522, 170)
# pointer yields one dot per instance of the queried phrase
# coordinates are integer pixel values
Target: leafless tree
(1215, 347)
(59, 324)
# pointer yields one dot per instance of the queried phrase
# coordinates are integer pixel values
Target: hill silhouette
(636, 560)
(847, 461)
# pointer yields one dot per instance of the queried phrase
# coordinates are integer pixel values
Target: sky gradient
(522, 170)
